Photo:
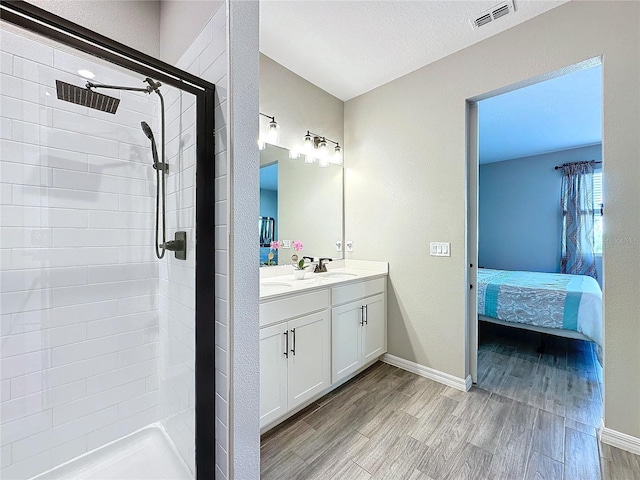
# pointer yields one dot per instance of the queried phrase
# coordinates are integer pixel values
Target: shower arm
(91, 85)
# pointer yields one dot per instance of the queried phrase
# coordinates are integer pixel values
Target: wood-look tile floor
(531, 416)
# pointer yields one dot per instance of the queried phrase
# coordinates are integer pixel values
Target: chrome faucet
(321, 267)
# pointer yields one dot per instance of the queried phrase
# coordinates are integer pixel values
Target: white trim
(468, 383)
(463, 384)
(620, 440)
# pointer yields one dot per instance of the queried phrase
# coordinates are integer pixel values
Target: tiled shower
(97, 335)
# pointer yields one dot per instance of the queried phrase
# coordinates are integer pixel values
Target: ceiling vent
(494, 13)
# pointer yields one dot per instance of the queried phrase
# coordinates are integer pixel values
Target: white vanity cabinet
(358, 328)
(313, 339)
(294, 354)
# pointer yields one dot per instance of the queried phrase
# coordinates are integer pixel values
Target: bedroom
(540, 331)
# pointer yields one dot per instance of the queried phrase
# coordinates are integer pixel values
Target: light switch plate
(440, 249)
(349, 244)
(286, 243)
(338, 245)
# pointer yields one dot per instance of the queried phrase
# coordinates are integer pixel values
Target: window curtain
(578, 257)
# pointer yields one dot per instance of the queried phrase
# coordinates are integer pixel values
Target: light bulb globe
(337, 155)
(308, 146)
(323, 151)
(273, 134)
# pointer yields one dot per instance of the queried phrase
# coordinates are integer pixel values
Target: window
(597, 208)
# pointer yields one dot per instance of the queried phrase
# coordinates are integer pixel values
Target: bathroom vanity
(318, 332)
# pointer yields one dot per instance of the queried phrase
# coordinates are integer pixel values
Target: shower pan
(106, 341)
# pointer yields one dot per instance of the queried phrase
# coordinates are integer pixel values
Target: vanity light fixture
(316, 147)
(273, 133)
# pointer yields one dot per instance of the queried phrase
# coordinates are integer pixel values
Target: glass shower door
(97, 334)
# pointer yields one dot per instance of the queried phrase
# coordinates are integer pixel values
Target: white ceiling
(558, 114)
(350, 47)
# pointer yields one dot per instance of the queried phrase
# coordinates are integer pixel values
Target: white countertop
(278, 281)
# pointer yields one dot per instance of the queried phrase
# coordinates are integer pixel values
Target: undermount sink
(274, 284)
(338, 275)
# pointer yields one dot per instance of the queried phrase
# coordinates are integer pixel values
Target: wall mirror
(299, 201)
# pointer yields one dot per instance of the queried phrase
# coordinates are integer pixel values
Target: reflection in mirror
(298, 201)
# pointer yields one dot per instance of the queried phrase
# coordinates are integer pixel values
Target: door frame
(472, 196)
(471, 268)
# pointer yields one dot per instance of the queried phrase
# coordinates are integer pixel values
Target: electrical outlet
(286, 243)
(338, 245)
(349, 245)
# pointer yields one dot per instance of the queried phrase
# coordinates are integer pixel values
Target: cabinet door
(309, 357)
(374, 329)
(346, 331)
(273, 373)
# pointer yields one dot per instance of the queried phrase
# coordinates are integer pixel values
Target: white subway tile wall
(79, 307)
(206, 58)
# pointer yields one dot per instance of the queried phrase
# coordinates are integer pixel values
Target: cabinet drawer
(291, 307)
(356, 291)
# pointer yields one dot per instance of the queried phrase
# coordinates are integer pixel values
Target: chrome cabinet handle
(366, 315)
(361, 321)
(293, 349)
(286, 348)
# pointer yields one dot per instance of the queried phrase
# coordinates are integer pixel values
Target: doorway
(517, 138)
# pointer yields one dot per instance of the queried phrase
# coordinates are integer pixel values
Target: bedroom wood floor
(531, 416)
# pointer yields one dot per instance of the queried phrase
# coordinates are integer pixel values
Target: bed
(558, 304)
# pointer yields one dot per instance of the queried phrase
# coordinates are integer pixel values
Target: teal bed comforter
(552, 300)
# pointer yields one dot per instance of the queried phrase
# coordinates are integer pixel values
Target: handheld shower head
(154, 151)
(147, 130)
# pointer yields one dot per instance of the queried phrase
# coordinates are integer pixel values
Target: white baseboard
(620, 440)
(463, 384)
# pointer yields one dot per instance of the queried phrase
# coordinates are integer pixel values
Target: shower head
(86, 98)
(147, 130)
(154, 151)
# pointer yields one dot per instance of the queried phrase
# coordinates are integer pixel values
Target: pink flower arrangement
(275, 245)
(296, 245)
(298, 264)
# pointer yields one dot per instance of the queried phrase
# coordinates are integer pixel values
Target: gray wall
(136, 23)
(520, 219)
(406, 165)
(180, 23)
(244, 273)
(298, 105)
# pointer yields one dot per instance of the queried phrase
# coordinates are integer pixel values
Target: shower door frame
(42, 22)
